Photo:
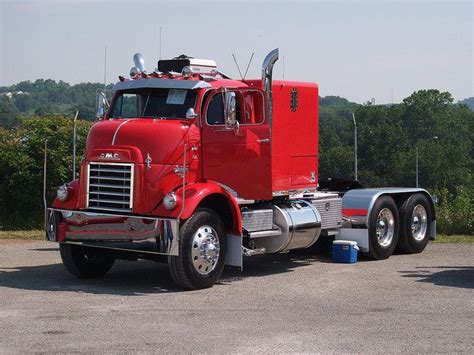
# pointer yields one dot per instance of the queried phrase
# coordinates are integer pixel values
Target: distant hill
(335, 101)
(44, 97)
(469, 102)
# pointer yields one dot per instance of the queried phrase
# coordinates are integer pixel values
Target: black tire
(85, 262)
(382, 248)
(182, 267)
(414, 241)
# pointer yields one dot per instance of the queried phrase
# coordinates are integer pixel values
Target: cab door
(239, 158)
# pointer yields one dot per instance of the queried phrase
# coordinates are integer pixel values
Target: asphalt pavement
(295, 302)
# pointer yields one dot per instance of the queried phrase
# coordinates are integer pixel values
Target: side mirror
(190, 113)
(102, 104)
(230, 110)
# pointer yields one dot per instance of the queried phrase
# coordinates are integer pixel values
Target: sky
(359, 50)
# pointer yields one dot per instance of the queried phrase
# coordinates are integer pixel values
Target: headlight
(62, 193)
(169, 201)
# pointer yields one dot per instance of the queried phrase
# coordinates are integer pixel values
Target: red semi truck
(190, 166)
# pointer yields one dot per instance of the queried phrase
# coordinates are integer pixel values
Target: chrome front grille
(330, 210)
(110, 187)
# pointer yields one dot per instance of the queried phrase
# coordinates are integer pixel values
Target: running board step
(252, 252)
(268, 233)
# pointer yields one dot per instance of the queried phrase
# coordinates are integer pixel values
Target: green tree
(21, 166)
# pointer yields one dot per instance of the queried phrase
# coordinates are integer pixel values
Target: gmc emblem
(114, 156)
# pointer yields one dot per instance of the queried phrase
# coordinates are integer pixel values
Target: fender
(195, 193)
(359, 202)
(73, 197)
(357, 207)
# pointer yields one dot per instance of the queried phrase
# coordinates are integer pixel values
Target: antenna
(248, 66)
(283, 67)
(160, 43)
(238, 68)
(105, 66)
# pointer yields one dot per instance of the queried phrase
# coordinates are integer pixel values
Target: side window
(249, 108)
(126, 106)
(215, 110)
(253, 107)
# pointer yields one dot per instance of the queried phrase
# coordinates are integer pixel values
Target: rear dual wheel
(384, 224)
(416, 216)
(407, 228)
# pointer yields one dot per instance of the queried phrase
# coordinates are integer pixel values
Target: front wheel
(85, 262)
(416, 216)
(383, 228)
(202, 251)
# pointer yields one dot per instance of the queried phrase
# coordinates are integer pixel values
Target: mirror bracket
(230, 111)
(102, 104)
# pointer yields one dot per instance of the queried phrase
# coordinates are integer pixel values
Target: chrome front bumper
(120, 232)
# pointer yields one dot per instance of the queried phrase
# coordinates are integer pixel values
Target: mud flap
(234, 251)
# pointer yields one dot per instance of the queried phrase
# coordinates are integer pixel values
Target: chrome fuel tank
(300, 225)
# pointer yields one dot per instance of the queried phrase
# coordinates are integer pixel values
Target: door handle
(264, 140)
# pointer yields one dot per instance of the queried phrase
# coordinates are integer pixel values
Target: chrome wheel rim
(51, 227)
(385, 227)
(205, 250)
(419, 223)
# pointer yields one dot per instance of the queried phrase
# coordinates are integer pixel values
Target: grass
(39, 235)
(457, 239)
(23, 235)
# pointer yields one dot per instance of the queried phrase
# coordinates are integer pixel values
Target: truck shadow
(451, 276)
(263, 265)
(145, 277)
(125, 278)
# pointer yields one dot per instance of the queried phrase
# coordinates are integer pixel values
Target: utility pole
(355, 145)
(74, 147)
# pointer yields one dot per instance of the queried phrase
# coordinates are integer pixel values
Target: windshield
(153, 103)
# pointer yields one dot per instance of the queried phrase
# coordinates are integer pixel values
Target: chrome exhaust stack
(267, 70)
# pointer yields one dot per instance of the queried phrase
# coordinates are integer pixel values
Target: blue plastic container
(344, 251)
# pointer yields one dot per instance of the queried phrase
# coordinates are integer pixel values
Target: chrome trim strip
(264, 234)
(108, 209)
(109, 170)
(107, 163)
(107, 201)
(132, 171)
(88, 244)
(110, 186)
(118, 128)
(97, 214)
(111, 193)
(155, 83)
(88, 171)
(110, 177)
(301, 190)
